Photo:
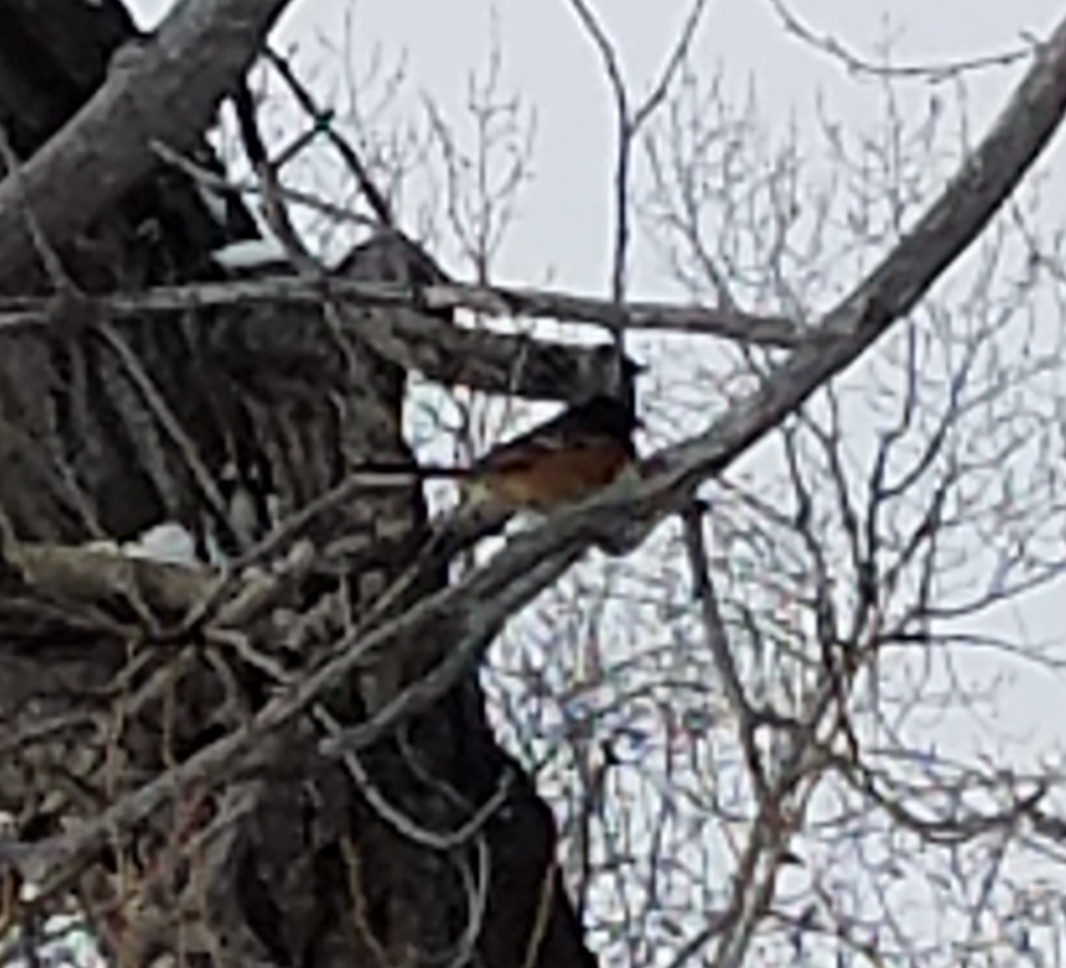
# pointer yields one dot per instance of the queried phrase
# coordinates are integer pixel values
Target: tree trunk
(107, 427)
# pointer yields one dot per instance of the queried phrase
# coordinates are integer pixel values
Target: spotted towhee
(563, 460)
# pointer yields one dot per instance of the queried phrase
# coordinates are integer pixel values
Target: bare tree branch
(774, 331)
(828, 44)
(629, 121)
(450, 354)
(165, 88)
(718, 643)
(321, 119)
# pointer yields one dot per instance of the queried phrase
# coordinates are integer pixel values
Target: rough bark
(110, 424)
(164, 87)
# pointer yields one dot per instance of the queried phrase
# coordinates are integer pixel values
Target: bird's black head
(608, 415)
(631, 369)
(605, 369)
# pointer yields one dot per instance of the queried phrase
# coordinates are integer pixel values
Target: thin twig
(323, 122)
(172, 427)
(944, 71)
(718, 643)
(214, 181)
(673, 64)
(628, 123)
(273, 207)
(398, 820)
(53, 265)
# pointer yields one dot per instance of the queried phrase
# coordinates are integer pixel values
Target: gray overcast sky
(554, 68)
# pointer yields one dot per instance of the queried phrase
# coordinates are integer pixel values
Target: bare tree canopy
(290, 743)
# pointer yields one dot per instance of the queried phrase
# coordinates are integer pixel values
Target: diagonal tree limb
(473, 610)
(166, 87)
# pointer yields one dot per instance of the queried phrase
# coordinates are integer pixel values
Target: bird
(562, 461)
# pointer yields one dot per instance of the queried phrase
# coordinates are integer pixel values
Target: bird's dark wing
(561, 433)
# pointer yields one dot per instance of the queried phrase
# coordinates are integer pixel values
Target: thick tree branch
(455, 355)
(742, 327)
(163, 89)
